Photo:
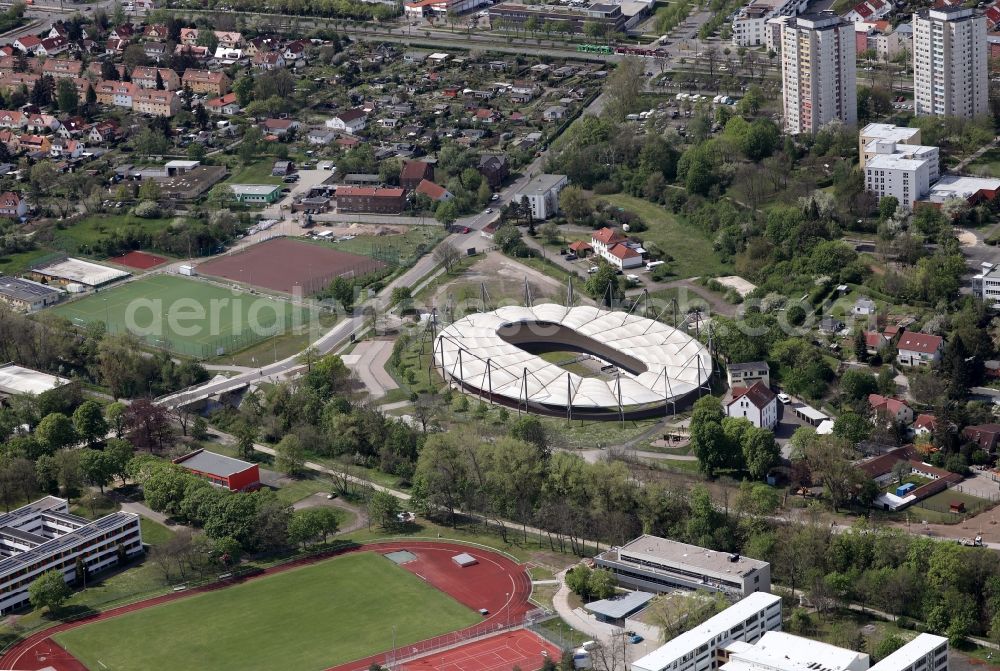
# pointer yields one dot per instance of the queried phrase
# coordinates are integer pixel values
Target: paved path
(368, 360)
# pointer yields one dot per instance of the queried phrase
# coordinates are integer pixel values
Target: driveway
(368, 361)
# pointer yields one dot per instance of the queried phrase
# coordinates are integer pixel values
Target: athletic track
(496, 583)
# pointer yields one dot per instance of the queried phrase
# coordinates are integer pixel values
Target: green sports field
(305, 619)
(186, 316)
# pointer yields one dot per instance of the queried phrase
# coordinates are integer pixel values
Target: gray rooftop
(703, 559)
(620, 606)
(25, 290)
(542, 183)
(749, 365)
(210, 462)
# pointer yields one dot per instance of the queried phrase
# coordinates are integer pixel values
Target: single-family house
(494, 168)
(188, 36)
(414, 172)
(554, 113)
(229, 39)
(41, 123)
(279, 127)
(27, 44)
(888, 409)
(228, 55)
(864, 306)
(924, 424)
(294, 51)
(52, 46)
(226, 105)
(268, 60)
(34, 143)
(985, 436)
(919, 349)
(115, 47)
(433, 191)
(124, 32)
(350, 121)
(66, 148)
(12, 119)
(875, 342)
(156, 51)
(105, 132)
(756, 403)
(156, 31)
(321, 136)
(12, 206)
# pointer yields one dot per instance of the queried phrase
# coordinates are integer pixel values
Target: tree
(88, 420)
(66, 96)
(760, 452)
(312, 525)
(208, 38)
(96, 467)
(856, 384)
(708, 440)
(246, 436)
(887, 207)
(852, 427)
(244, 89)
(55, 432)
(604, 285)
(134, 56)
(446, 212)
(148, 424)
(447, 255)
(383, 508)
(115, 414)
(119, 453)
(574, 204)
(290, 455)
(623, 88)
(602, 584)
(578, 580)
(49, 590)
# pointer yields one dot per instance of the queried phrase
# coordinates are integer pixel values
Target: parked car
(570, 257)
(784, 398)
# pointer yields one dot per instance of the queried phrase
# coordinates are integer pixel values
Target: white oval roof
(675, 362)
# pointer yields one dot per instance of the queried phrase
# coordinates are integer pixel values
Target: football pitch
(304, 619)
(186, 316)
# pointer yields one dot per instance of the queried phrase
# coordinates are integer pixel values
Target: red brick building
(222, 471)
(371, 199)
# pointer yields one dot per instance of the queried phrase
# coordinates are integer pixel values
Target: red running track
(496, 583)
(520, 648)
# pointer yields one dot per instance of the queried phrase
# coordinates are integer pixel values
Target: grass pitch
(300, 620)
(185, 316)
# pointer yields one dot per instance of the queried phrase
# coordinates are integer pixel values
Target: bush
(147, 209)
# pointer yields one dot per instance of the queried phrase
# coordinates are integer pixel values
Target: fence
(557, 632)
(217, 346)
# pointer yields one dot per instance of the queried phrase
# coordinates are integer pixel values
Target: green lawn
(185, 316)
(987, 165)
(690, 246)
(935, 509)
(401, 249)
(304, 619)
(256, 173)
(12, 264)
(154, 533)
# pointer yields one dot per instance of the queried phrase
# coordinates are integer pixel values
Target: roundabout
(640, 367)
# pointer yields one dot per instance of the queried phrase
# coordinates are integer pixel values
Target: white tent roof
(673, 363)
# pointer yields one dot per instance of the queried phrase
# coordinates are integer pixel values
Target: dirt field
(283, 264)
(138, 260)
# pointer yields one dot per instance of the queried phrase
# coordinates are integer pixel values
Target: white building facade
(43, 536)
(950, 62)
(542, 195)
(901, 170)
(819, 82)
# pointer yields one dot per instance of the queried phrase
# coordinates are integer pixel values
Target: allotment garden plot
(188, 317)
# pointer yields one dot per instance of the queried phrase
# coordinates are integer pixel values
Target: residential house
(604, 239)
(12, 119)
(370, 199)
(542, 195)
(228, 55)
(27, 44)
(624, 257)
(554, 113)
(268, 60)
(351, 121)
(188, 36)
(414, 172)
(34, 143)
(115, 47)
(279, 127)
(12, 206)
(196, 52)
(229, 39)
(985, 436)
(156, 103)
(105, 132)
(321, 136)
(119, 94)
(756, 403)
(66, 148)
(494, 168)
(52, 46)
(60, 69)
(486, 115)
(924, 424)
(864, 306)
(875, 342)
(919, 349)
(206, 81)
(888, 409)
(433, 191)
(746, 374)
(41, 123)
(72, 128)
(294, 51)
(124, 32)
(13, 81)
(155, 51)
(156, 31)
(145, 77)
(59, 29)
(226, 105)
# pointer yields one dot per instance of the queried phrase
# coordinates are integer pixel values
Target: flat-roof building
(904, 171)
(233, 474)
(884, 131)
(702, 648)
(924, 653)
(778, 651)
(256, 193)
(16, 380)
(27, 295)
(660, 565)
(43, 536)
(78, 271)
(542, 194)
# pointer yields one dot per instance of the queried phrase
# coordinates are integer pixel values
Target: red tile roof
(622, 251)
(607, 235)
(925, 421)
(889, 404)
(371, 191)
(431, 190)
(924, 343)
(757, 393)
(580, 246)
(414, 170)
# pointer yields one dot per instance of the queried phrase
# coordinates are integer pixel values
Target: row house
(16, 80)
(115, 93)
(145, 77)
(206, 81)
(156, 103)
(60, 69)
(227, 39)
(96, 69)
(9, 63)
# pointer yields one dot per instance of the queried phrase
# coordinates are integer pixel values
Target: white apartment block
(818, 72)
(703, 648)
(750, 27)
(778, 651)
(43, 536)
(924, 653)
(901, 170)
(542, 194)
(651, 563)
(949, 62)
(986, 284)
(883, 131)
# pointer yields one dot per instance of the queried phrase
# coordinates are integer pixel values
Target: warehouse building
(233, 474)
(661, 565)
(17, 380)
(43, 536)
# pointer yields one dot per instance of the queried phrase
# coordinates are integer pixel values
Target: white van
(653, 264)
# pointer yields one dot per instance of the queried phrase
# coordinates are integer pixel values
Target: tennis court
(186, 316)
(138, 260)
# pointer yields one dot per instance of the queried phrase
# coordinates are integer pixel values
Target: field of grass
(690, 247)
(935, 509)
(89, 230)
(154, 533)
(987, 165)
(396, 249)
(12, 264)
(184, 316)
(277, 348)
(304, 619)
(256, 173)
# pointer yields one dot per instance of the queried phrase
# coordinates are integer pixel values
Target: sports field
(185, 316)
(305, 619)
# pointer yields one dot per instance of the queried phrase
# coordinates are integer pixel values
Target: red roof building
(756, 403)
(435, 192)
(891, 409)
(414, 172)
(985, 436)
(919, 349)
(233, 474)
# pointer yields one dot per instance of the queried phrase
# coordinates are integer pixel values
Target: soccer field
(185, 316)
(304, 619)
